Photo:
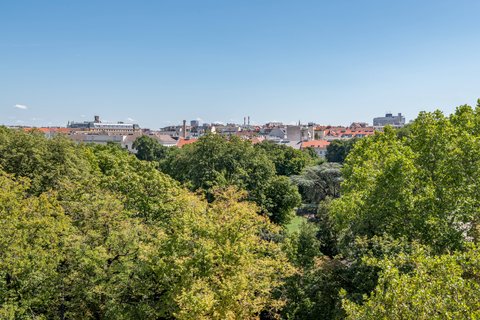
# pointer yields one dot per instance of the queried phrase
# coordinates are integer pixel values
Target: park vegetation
(94, 232)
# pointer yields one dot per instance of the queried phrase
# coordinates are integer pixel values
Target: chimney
(184, 129)
(249, 121)
(96, 119)
(311, 132)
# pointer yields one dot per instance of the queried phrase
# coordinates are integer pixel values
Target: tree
(404, 131)
(422, 286)
(313, 155)
(288, 161)
(32, 247)
(149, 149)
(311, 292)
(378, 191)
(213, 162)
(128, 242)
(303, 246)
(338, 150)
(217, 263)
(150, 194)
(420, 187)
(282, 196)
(103, 273)
(318, 182)
(48, 164)
(327, 233)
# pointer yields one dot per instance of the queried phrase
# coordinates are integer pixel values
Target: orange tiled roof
(256, 140)
(315, 144)
(47, 130)
(182, 142)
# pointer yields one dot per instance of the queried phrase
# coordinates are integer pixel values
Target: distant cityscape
(299, 136)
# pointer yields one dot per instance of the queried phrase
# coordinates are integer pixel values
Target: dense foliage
(287, 161)
(316, 183)
(338, 150)
(423, 286)
(149, 149)
(405, 191)
(215, 162)
(400, 241)
(92, 232)
(423, 186)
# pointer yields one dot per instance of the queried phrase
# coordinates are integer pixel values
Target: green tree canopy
(423, 186)
(48, 164)
(318, 182)
(149, 149)
(117, 239)
(213, 161)
(288, 161)
(338, 150)
(149, 193)
(423, 286)
(32, 234)
(420, 187)
(219, 265)
(313, 291)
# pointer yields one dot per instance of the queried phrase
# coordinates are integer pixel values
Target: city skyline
(246, 121)
(158, 63)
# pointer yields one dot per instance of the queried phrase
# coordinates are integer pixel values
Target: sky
(158, 62)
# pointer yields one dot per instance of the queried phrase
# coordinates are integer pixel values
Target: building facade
(397, 121)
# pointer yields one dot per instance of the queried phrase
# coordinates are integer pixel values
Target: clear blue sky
(159, 62)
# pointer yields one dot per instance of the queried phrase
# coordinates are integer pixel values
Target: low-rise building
(182, 142)
(104, 127)
(165, 140)
(320, 146)
(279, 133)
